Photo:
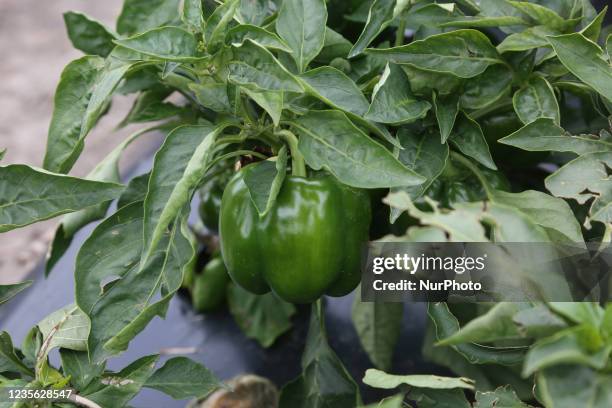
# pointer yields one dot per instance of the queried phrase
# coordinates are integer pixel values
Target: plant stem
(82, 401)
(474, 169)
(400, 33)
(298, 167)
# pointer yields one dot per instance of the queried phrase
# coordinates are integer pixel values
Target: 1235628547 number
(29, 394)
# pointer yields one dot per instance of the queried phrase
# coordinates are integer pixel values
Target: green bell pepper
(210, 286)
(210, 203)
(309, 244)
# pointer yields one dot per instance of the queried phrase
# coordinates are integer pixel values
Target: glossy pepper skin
(210, 286)
(309, 244)
(210, 196)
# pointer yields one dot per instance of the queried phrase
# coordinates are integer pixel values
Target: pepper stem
(298, 167)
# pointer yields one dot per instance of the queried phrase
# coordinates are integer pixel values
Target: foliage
(398, 95)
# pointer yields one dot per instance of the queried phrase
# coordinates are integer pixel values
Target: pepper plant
(471, 120)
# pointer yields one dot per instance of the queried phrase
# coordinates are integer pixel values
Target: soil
(35, 48)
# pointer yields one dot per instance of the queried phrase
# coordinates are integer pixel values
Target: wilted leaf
(380, 379)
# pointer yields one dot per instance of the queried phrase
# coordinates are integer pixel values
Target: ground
(35, 48)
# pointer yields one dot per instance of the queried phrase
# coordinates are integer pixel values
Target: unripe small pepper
(309, 244)
(210, 286)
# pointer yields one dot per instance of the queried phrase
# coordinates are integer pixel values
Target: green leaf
(468, 138)
(263, 318)
(584, 59)
(71, 98)
(9, 361)
(301, 23)
(536, 99)
(552, 213)
(183, 378)
(329, 140)
(484, 21)
(334, 46)
(89, 35)
(379, 379)
(166, 43)
(508, 224)
(336, 89)
(149, 106)
(460, 225)
(583, 179)
(428, 398)
(446, 109)
(212, 95)
(572, 385)
(593, 29)
(543, 15)
(28, 195)
(544, 135)
(67, 328)
(463, 53)
(501, 397)
(136, 190)
(254, 11)
(446, 325)
(532, 37)
(378, 327)
(237, 35)
(108, 171)
(565, 347)
(264, 180)
(324, 381)
(578, 312)
(393, 102)
(110, 280)
(487, 88)
(178, 168)
(390, 402)
(217, 23)
(424, 154)
(538, 321)
(496, 324)
(116, 389)
(432, 15)
(104, 86)
(273, 102)
(76, 365)
(424, 82)
(9, 291)
(380, 15)
(193, 15)
(138, 16)
(254, 67)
